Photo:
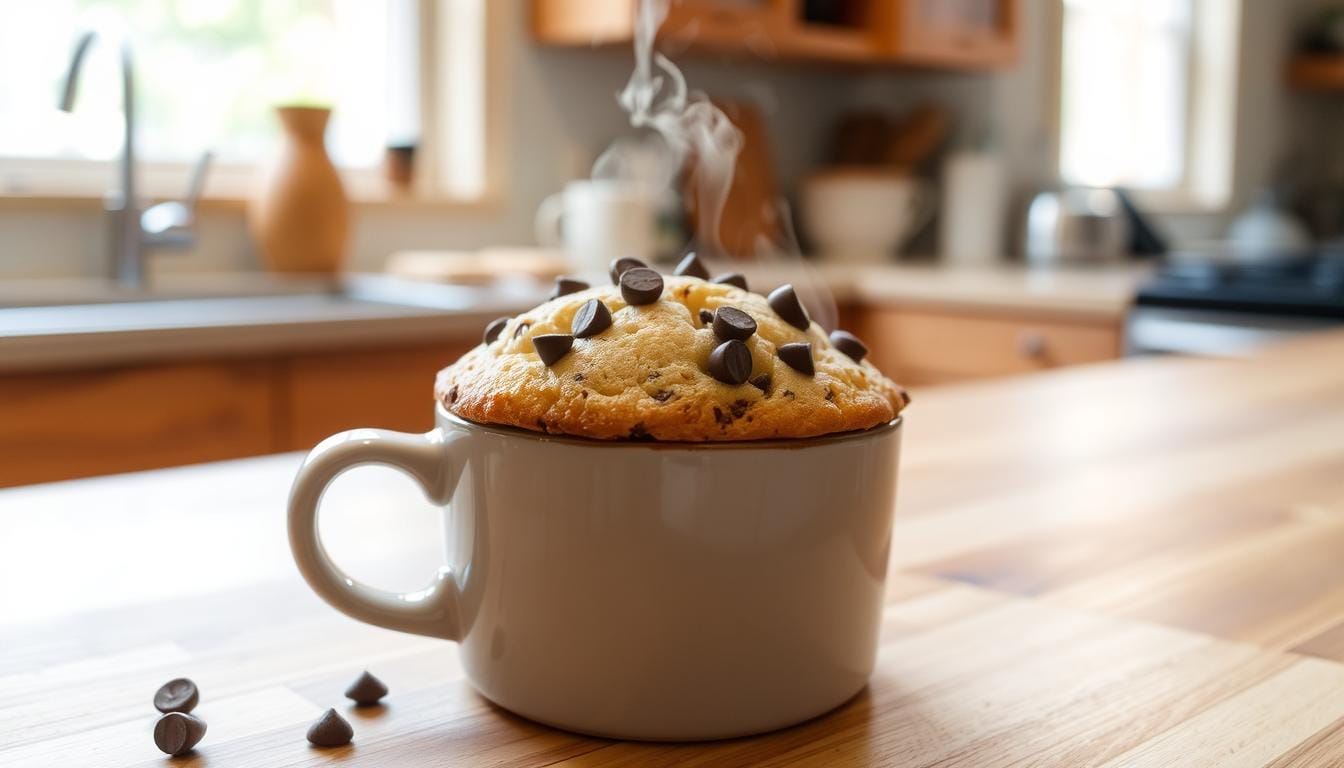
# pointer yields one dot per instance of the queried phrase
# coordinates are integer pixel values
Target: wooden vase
(300, 218)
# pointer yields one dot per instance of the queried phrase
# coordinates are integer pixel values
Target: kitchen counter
(1133, 563)
(1102, 293)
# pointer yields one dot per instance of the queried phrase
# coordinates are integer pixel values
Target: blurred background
(232, 227)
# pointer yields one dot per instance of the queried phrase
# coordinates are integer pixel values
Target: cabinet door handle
(1031, 344)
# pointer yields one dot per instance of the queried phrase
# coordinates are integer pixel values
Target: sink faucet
(135, 232)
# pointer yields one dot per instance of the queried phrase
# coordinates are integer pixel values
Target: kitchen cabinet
(947, 34)
(922, 346)
(67, 424)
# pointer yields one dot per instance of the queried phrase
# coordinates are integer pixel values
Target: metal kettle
(1076, 226)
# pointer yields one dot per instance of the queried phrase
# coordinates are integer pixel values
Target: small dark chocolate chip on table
(619, 266)
(706, 316)
(179, 695)
(552, 346)
(366, 691)
(565, 286)
(732, 278)
(849, 344)
(733, 323)
(786, 304)
(692, 266)
(591, 319)
(641, 285)
(493, 330)
(330, 730)
(730, 362)
(797, 356)
(177, 733)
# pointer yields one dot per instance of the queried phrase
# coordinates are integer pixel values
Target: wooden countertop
(1138, 564)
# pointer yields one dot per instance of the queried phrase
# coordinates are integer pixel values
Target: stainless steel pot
(1076, 226)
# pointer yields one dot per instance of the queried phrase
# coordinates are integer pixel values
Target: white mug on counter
(665, 591)
(864, 215)
(595, 221)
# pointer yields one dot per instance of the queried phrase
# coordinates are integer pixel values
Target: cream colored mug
(663, 591)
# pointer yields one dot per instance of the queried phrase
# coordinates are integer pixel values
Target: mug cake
(680, 358)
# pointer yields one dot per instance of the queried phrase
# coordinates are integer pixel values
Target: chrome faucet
(135, 232)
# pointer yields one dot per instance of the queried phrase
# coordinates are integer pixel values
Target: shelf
(1317, 72)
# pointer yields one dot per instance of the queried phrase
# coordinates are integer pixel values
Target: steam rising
(657, 98)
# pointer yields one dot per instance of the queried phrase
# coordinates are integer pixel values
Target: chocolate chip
(619, 266)
(640, 432)
(565, 286)
(797, 356)
(578, 377)
(706, 316)
(452, 394)
(366, 690)
(732, 278)
(591, 319)
(762, 382)
(641, 285)
(330, 730)
(692, 266)
(495, 328)
(849, 344)
(730, 362)
(662, 395)
(830, 394)
(177, 733)
(521, 329)
(178, 695)
(738, 408)
(785, 303)
(722, 418)
(552, 346)
(733, 323)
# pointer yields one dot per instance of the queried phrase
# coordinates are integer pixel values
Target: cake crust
(647, 376)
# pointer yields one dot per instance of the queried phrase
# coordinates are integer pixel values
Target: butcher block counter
(1136, 563)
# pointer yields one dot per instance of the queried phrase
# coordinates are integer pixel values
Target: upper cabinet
(946, 34)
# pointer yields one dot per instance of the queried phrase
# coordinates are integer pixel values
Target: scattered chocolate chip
(785, 303)
(591, 319)
(830, 394)
(733, 323)
(797, 356)
(177, 733)
(706, 316)
(495, 328)
(732, 278)
(178, 695)
(730, 362)
(366, 690)
(662, 395)
(788, 393)
(739, 407)
(452, 394)
(565, 286)
(521, 329)
(552, 346)
(640, 432)
(762, 383)
(584, 394)
(541, 424)
(692, 266)
(578, 377)
(330, 730)
(619, 266)
(641, 285)
(722, 418)
(849, 344)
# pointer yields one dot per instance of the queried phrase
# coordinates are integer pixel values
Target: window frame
(1208, 178)
(231, 185)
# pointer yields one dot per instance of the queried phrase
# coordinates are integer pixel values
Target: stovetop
(1305, 284)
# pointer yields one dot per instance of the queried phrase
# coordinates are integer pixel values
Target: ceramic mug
(864, 215)
(662, 591)
(596, 221)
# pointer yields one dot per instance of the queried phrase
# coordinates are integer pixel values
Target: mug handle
(546, 226)
(432, 611)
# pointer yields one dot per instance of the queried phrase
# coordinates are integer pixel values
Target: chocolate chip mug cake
(667, 508)
(678, 358)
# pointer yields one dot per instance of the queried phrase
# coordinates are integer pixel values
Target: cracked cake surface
(670, 369)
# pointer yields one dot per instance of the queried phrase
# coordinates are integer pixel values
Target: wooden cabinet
(918, 346)
(68, 424)
(949, 34)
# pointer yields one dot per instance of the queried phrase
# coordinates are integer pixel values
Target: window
(208, 73)
(1147, 97)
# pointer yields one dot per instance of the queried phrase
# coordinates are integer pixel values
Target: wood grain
(1130, 564)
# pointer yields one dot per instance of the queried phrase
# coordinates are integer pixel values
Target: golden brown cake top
(676, 358)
